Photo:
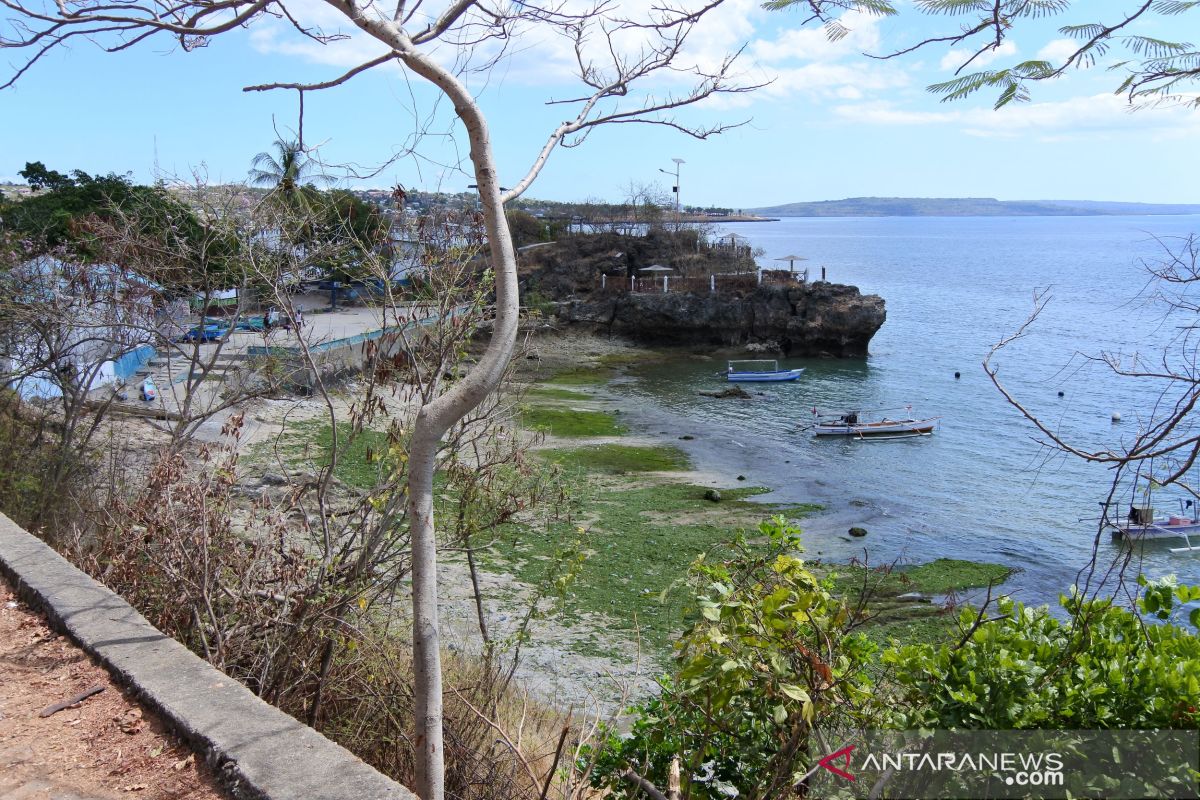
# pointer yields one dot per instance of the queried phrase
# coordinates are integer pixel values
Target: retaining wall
(346, 356)
(259, 752)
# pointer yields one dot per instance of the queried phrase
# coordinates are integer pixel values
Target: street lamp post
(478, 201)
(675, 188)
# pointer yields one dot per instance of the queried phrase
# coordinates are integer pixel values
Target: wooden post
(822, 273)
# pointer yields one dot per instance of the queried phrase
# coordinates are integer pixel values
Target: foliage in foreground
(772, 663)
(770, 657)
(1102, 667)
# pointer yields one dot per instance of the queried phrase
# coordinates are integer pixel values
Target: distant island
(968, 207)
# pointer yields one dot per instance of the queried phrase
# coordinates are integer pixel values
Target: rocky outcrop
(815, 319)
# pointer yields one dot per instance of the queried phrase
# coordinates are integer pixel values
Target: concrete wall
(346, 356)
(259, 752)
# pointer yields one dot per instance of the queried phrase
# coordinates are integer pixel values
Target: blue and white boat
(760, 370)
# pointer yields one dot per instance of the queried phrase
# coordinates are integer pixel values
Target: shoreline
(718, 457)
(581, 652)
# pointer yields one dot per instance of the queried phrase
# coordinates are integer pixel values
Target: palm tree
(285, 171)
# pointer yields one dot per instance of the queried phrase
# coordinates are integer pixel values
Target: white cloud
(1058, 50)
(834, 81)
(956, 58)
(533, 54)
(812, 44)
(1050, 121)
(805, 61)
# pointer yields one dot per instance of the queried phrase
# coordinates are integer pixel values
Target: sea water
(985, 486)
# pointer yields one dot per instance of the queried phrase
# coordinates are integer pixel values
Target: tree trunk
(436, 418)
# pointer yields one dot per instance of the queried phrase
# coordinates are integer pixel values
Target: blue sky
(831, 124)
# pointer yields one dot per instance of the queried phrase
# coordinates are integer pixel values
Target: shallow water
(982, 487)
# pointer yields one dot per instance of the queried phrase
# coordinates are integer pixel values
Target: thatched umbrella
(791, 261)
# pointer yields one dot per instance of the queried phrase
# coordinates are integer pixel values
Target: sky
(828, 123)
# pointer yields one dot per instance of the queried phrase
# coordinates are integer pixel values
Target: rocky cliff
(793, 318)
(816, 319)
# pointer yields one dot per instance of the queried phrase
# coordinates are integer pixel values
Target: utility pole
(675, 188)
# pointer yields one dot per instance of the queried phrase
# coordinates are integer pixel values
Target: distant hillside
(1105, 207)
(965, 207)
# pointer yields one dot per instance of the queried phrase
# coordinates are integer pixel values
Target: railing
(728, 282)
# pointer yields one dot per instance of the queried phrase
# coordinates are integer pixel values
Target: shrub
(765, 662)
(1102, 667)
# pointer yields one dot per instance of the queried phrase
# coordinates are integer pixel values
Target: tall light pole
(675, 188)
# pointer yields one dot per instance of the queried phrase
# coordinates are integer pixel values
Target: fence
(736, 282)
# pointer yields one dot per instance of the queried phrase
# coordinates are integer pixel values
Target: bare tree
(1166, 447)
(614, 56)
(63, 324)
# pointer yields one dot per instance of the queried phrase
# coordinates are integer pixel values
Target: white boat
(761, 370)
(850, 424)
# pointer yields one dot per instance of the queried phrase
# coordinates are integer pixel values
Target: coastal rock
(815, 319)
(732, 391)
(713, 495)
(858, 532)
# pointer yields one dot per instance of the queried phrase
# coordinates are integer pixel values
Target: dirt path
(106, 747)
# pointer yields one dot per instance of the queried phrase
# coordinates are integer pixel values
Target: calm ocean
(982, 487)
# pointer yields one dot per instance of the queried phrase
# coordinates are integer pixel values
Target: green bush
(766, 661)
(771, 658)
(1102, 667)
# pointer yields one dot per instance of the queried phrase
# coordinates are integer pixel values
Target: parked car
(203, 333)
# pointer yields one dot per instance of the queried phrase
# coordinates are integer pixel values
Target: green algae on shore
(887, 595)
(309, 443)
(639, 543)
(570, 422)
(554, 393)
(582, 376)
(620, 458)
(943, 576)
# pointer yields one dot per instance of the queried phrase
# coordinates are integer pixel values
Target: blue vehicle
(252, 324)
(204, 333)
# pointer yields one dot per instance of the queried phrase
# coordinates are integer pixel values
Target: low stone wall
(259, 752)
(347, 356)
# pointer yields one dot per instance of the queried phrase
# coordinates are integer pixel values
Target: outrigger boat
(849, 424)
(1140, 525)
(760, 374)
